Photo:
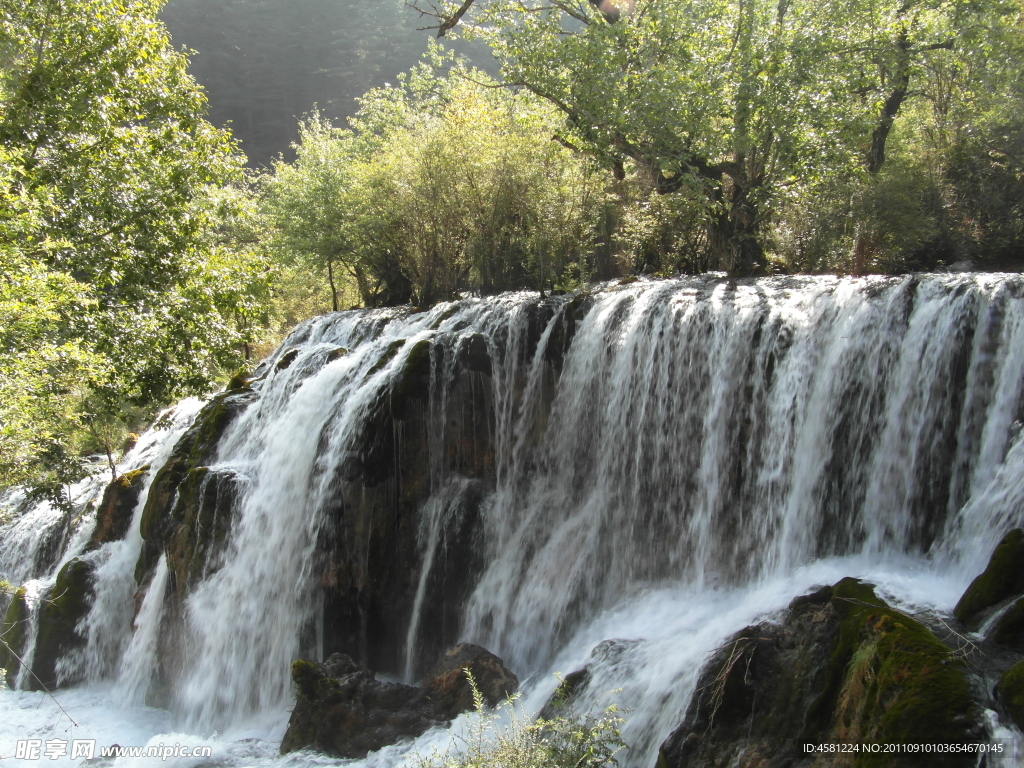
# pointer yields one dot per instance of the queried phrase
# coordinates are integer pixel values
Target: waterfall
(650, 461)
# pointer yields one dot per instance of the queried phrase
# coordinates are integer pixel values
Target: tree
(742, 105)
(443, 184)
(109, 223)
(724, 101)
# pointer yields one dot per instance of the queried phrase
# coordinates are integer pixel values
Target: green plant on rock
(566, 741)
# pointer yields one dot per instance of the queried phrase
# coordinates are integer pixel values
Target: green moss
(13, 632)
(1001, 579)
(239, 381)
(1011, 692)
(387, 357)
(306, 675)
(1009, 630)
(59, 615)
(448, 313)
(890, 679)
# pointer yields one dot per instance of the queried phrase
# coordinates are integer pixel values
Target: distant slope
(266, 62)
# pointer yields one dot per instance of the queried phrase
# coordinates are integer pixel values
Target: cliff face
(424, 445)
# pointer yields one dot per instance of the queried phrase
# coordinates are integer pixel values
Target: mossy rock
(336, 353)
(1009, 629)
(386, 357)
(59, 614)
(900, 684)
(240, 381)
(114, 515)
(841, 665)
(202, 515)
(1002, 578)
(196, 448)
(286, 360)
(14, 631)
(1011, 692)
(414, 379)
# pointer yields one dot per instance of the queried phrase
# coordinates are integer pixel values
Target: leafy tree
(745, 107)
(443, 184)
(723, 101)
(113, 269)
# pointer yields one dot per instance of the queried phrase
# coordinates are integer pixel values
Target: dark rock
(449, 685)
(343, 710)
(196, 448)
(1009, 628)
(59, 614)
(608, 653)
(1003, 578)
(114, 515)
(203, 512)
(1011, 693)
(334, 354)
(286, 359)
(240, 381)
(841, 665)
(14, 631)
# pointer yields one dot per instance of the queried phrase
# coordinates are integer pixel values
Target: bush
(566, 741)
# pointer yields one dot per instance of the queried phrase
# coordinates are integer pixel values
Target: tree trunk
(334, 288)
(733, 234)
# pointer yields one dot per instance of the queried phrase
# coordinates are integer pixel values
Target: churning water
(702, 452)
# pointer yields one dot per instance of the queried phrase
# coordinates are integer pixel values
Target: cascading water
(664, 463)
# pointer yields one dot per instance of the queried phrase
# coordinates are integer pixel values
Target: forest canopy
(141, 261)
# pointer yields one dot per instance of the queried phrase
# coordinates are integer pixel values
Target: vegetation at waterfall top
(144, 257)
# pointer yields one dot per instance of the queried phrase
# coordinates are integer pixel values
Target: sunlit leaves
(109, 223)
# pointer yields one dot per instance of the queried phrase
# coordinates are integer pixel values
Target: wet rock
(449, 685)
(196, 448)
(114, 515)
(60, 612)
(608, 653)
(343, 710)
(13, 631)
(1002, 579)
(841, 665)
(1011, 693)
(1009, 628)
(286, 359)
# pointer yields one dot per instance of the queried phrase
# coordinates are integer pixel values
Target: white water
(711, 451)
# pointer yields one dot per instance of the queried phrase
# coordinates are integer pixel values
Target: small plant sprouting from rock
(566, 741)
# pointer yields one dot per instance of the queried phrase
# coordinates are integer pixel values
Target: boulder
(341, 709)
(841, 665)
(59, 614)
(449, 686)
(14, 631)
(1009, 628)
(114, 515)
(608, 653)
(1002, 579)
(1011, 692)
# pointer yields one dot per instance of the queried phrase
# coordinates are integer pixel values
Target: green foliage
(567, 741)
(121, 289)
(444, 184)
(776, 122)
